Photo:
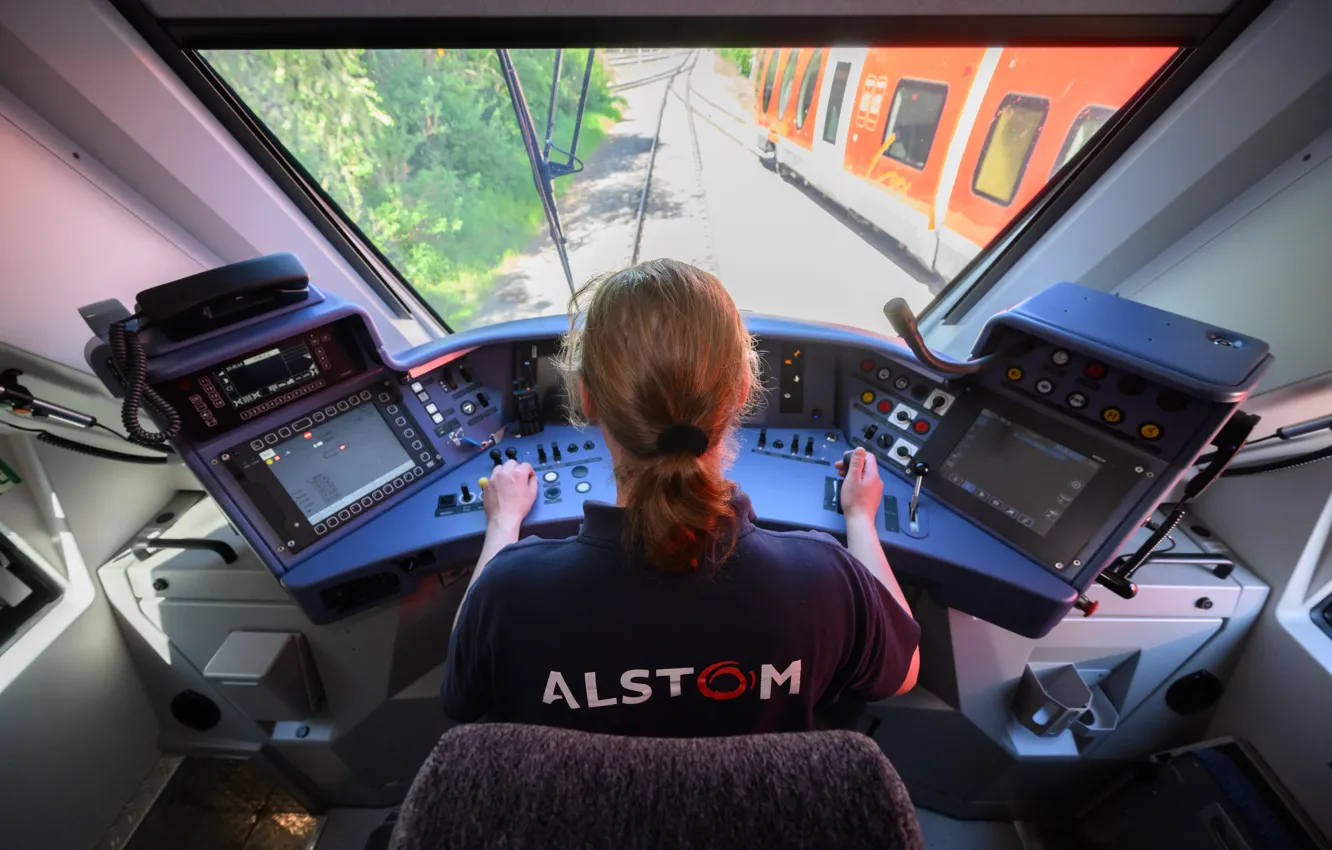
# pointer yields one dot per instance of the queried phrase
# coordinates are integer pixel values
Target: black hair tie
(678, 438)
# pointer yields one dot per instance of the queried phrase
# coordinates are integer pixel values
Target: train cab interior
(284, 282)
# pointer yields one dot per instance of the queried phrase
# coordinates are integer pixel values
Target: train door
(1042, 105)
(822, 167)
(770, 106)
(908, 109)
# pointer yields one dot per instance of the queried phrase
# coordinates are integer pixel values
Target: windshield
(816, 182)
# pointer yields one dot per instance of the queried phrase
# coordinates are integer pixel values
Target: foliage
(741, 57)
(421, 149)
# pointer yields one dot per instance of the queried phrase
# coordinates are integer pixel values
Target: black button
(1132, 385)
(552, 492)
(870, 431)
(573, 447)
(589, 445)
(902, 416)
(1172, 400)
(884, 441)
(903, 451)
(511, 453)
(777, 444)
(579, 472)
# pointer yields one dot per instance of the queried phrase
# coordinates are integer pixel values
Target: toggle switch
(495, 456)
(763, 437)
(555, 451)
(511, 453)
(541, 453)
(795, 443)
(466, 494)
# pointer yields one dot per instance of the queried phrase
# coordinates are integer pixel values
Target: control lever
(919, 469)
(903, 321)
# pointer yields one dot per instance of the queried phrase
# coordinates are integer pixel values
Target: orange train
(938, 147)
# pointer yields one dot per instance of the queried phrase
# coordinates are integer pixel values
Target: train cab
(290, 291)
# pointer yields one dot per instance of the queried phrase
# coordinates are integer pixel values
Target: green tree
(421, 150)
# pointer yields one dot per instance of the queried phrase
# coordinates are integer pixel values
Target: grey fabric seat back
(502, 785)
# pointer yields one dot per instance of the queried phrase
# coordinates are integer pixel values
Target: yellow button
(1014, 373)
(483, 481)
(1149, 430)
(866, 397)
(1113, 415)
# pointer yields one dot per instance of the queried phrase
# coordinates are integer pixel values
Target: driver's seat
(504, 785)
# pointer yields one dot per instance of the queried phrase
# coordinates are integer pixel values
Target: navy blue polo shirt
(573, 633)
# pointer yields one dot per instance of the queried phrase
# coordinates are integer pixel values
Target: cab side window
(769, 79)
(1008, 145)
(24, 591)
(913, 119)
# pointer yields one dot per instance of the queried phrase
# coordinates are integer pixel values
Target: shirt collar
(606, 522)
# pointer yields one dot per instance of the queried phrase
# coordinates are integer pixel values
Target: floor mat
(223, 804)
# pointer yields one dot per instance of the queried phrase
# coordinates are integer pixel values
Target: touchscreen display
(267, 373)
(1028, 478)
(337, 462)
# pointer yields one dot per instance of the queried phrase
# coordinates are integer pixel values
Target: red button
(867, 365)
(921, 426)
(885, 406)
(1095, 371)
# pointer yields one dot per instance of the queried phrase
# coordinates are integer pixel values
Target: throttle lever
(919, 469)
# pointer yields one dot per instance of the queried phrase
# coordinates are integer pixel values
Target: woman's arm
(862, 493)
(507, 496)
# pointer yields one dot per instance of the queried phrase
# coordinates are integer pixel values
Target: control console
(354, 472)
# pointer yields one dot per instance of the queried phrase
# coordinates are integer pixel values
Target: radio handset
(899, 315)
(190, 307)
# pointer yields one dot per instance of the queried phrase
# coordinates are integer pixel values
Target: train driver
(671, 613)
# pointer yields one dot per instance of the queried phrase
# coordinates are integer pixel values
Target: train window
(1086, 125)
(808, 87)
(788, 80)
(1007, 150)
(418, 158)
(836, 95)
(913, 120)
(769, 80)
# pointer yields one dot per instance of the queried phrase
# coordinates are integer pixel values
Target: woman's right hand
(509, 494)
(862, 490)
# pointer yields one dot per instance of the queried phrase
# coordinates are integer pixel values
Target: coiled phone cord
(129, 357)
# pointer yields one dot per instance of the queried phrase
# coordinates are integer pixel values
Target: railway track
(685, 66)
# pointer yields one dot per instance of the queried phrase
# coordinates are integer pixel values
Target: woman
(671, 614)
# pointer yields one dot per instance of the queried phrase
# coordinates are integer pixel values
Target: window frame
(1010, 99)
(924, 84)
(1084, 114)
(840, 100)
(1199, 41)
(16, 620)
(810, 84)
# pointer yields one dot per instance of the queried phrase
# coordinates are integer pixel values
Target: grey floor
(347, 829)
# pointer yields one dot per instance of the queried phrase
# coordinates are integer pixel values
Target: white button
(355, 400)
(342, 405)
(332, 522)
(320, 529)
(383, 396)
(319, 416)
(257, 445)
(550, 476)
(432, 408)
(582, 486)
(392, 408)
(408, 433)
(377, 495)
(367, 502)
(425, 455)
(331, 410)
(400, 421)
(356, 507)
(416, 386)
(271, 439)
(408, 477)
(419, 472)
(365, 394)
(438, 418)
(284, 432)
(344, 515)
(416, 445)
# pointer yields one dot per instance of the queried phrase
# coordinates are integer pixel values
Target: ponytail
(669, 367)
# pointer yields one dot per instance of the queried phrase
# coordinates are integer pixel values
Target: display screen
(337, 462)
(1028, 478)
(267, 373)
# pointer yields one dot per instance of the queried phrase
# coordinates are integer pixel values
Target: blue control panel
(355, 473)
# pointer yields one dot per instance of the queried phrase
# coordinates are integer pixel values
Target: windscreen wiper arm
(540, 168)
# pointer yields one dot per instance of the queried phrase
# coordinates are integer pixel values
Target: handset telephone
(190, 307)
